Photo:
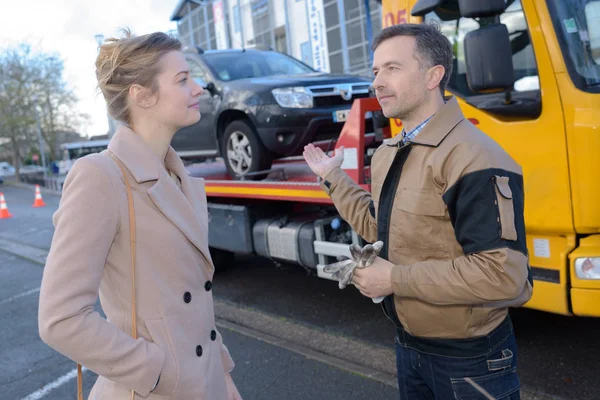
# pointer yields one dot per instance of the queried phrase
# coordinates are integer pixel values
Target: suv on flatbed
(260, 105)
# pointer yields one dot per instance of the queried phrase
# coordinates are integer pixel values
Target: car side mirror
(211, 87)
(206, 85)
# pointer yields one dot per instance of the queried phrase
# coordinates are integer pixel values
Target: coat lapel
(185, 208)
(192, 190)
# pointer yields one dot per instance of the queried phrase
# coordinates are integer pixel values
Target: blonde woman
(178, 352)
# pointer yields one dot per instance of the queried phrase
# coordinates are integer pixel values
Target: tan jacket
(90, 256)
(449, 209)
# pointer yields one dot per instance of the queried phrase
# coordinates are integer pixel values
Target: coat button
(213, 335)
(208, 285)
(199, 351)
(187, 297)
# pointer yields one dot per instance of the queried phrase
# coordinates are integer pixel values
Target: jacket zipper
(388, 194)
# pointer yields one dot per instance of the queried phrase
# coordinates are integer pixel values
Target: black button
(187, 297)
(199, 351)
(208, 285)
(213, 335)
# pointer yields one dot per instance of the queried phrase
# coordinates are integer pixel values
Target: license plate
(341, 115)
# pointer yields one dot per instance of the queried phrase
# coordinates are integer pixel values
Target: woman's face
(175, 104)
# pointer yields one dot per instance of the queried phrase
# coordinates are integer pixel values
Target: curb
(32, 187)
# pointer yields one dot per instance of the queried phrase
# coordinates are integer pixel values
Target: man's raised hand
(319, 162)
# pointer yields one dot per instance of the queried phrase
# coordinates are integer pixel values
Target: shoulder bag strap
(133, 262)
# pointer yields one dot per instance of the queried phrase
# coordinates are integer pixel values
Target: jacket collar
(438, 127)
(185, 207)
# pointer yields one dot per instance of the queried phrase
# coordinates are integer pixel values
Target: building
(330, 35)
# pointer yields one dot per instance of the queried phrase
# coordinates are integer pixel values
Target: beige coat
(90, 256)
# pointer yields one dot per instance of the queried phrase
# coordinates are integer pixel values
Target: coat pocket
(169, 374)
(425, 203)
(505, 208)
(417, 222)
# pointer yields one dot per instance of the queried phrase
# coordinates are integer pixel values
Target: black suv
(260, 105)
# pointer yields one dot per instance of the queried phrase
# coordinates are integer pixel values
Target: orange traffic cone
(39, 202)
(3, 208)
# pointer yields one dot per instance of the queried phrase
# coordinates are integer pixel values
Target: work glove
(343, 271)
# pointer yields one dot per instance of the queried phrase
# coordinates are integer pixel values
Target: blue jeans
(459, 369)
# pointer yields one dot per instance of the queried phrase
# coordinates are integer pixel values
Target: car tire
(222, 259)
(243, 152)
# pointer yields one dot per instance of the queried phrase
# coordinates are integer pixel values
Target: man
(447, 201)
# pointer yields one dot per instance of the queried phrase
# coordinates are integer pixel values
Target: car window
(196, 71)
(230, 66)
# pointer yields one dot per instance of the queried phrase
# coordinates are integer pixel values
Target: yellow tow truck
(527, 72)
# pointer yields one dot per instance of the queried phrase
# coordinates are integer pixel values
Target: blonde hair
(127, 61)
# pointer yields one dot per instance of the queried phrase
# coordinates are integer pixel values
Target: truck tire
(222, 259)
(243, 152)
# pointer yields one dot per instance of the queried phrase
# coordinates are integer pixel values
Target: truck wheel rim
(239, 152)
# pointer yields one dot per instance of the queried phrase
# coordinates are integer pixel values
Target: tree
(31, 79)
(58, 111)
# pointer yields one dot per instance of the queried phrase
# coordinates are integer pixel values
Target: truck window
(526, 73)
(577, 23)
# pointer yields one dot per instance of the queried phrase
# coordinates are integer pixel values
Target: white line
(53, 385)
(27, 293)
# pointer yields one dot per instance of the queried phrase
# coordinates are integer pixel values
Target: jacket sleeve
(485, 204)
(86, 224)
(353, 203)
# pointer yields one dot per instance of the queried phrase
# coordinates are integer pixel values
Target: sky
(67, 27)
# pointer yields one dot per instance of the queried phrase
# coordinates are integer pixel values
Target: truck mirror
(488, 59)
(423, 7)
(481, 9)
(592, 15)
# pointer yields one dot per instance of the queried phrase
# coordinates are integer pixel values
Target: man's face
(400, 79)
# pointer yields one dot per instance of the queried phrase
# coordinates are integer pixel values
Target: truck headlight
(293, 97)
(588, 268)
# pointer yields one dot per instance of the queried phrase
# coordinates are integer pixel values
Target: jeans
(424, 373)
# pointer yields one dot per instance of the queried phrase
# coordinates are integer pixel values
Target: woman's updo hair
(127, 61)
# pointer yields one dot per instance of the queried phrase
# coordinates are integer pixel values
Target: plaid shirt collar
(407, 137)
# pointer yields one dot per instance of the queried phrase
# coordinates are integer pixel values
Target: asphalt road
(558, 356)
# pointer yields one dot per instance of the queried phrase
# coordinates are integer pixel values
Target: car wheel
(243, 152)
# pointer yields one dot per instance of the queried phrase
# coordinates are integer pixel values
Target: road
(293, 336)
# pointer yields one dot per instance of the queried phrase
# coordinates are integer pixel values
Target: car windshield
(229, 66)
(577, 23)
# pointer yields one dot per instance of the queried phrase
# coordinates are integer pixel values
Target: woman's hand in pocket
(232, 391)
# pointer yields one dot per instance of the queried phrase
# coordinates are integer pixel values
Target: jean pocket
(504, 362)
(498, 385)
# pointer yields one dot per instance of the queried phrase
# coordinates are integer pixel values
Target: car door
(199, 139)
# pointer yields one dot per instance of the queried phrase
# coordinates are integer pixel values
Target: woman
(179, 354)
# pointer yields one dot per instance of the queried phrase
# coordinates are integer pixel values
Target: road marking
(336, 362)
(53, 385)
(27, 293)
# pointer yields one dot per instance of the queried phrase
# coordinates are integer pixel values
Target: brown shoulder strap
(133, 262)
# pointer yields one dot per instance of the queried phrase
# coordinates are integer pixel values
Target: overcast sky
(68, 28)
